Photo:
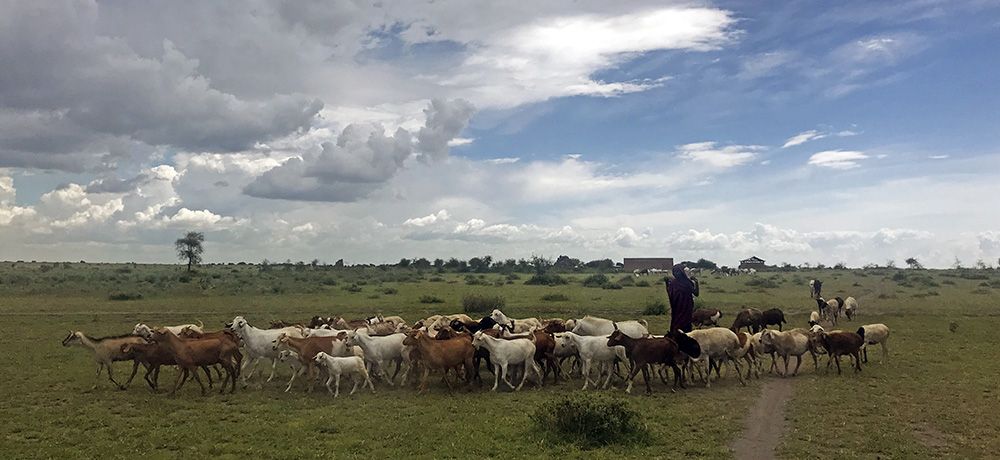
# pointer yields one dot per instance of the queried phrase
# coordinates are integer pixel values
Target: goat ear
(615, 325)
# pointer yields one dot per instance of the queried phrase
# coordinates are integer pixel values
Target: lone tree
(189, 248)
(914, 263)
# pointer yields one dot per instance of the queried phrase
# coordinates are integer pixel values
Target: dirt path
(765, 423)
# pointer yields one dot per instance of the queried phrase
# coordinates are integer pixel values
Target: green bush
(390, 291)
(655, 307)
(590, 421)
(612, 286)
(761, 282)
(435, 279)
(352, 288)
(546, 279)
(430, 299)
(475, 303)
(596, 280)
(627, 280)
(120, 295)
(642, 283)
(555, 297)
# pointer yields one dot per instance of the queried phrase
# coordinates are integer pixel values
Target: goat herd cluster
(513, 349)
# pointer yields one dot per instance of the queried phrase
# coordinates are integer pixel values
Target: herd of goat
(513, 350)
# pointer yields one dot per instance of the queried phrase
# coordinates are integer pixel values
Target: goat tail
(644, 323)
(201, 324)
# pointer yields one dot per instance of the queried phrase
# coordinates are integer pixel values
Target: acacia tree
(914, 263)
(189, 248)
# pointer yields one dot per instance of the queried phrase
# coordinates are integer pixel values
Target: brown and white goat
(106, 350)
(839, 343)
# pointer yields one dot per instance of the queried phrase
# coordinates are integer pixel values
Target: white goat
(850, 308)
(259, 344)
(718, 345)
(141, 329)
(789, 343)
(593, 350)
(594, 326)
(504, 353)
(338, 365)
(380, 350)
(875, 333)
(516, 325)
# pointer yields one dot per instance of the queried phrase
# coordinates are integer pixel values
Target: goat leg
(135, 367)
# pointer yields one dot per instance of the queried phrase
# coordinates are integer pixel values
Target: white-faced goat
(105, 350)
(595, 350)
(505, 353)
(381, 350)
(516, 326)
(259, 344)
(600, 327)
(338, 365)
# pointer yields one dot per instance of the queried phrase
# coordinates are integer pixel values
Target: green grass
(936, 397)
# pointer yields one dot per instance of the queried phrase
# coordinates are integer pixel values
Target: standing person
(681, 291)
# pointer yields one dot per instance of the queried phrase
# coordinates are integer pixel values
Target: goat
(144, 330)
(875, 333)
(505, 353)
(830, 309)
(306, 349)
(645, 351)
(194, 353)
(814, 318)
(516, 326)
(717, 344)
(379, 350)
(338, 365)
(442, 354)
(319, 321)
(106, 350)
(750, 318)
(704, 317)
(773, 316)
(794, 342)
(591, 349)
(152, 356)
(839, 343)
(594, 326)
(259, 344)
(850, 308)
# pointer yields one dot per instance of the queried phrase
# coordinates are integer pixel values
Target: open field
(937, 396)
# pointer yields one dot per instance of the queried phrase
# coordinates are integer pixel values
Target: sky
(803, 132)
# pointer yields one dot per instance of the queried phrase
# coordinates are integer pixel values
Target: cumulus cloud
(362, 159)
(838, 159)
(721, 157)
(429, 219)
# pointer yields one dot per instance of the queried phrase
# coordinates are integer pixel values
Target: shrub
(474, 303)
(352, 288)
(430, 299)
(435, 279)
(763, 283)
(655, 307)
(590, 421)
(121, 295)
(555, 297)
(473, 280)
(627, 280)
(642, 283)
(513, 276)
(185, 278)
(612, 286)
(329, 281)
(390, 291)
(596, 280)
(546, 279)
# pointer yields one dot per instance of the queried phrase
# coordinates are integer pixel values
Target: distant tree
(840, 266)
(314, 263)
(339, 263)
(438, 263)
(421, 263)
(980, 265)
(601, 264)
(265, 265)
(480, 264)
(704, 264)
(890, 263)
(914, 264)
(957, 265)
(540, 264)
(189, 248)
(403, 263)
(452, 264)
(300, 265)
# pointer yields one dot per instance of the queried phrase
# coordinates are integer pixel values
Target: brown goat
(545, 347)
(839, 343)
(442, 354)
(706, 317)
(152, 356)
(307, 349)
(750, 318)
(646, 351)
(194, 353)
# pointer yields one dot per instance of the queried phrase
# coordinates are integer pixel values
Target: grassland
(939, 395)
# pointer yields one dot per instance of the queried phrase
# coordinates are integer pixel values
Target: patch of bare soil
(765, 424)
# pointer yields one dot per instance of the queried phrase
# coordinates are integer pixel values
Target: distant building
(645, 263)
(753, 262)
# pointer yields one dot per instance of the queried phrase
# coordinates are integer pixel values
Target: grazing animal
(594, 326)
(306, 349)
(505, 353)
(773, 316)
(717, 345)
(442, 354)
(595, 350)
(850, 308)
(830, 309)
(153, 356)
(839, 343)
(646, 351)
(815, 288)
(259, 344)
(145, 331)
(750, 318)
(794, 342)
(338, 365)
(381, 350)
(705, 317)
(875, 333)
(194, 353)
(516, 326)
(814, 318)
(106, 350)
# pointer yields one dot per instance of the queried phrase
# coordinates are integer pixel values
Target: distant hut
(753, 262)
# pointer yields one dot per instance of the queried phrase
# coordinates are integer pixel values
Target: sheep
(380, 350)
(594, 326)
(716, 344)
(515, 325)
(839, 343)
(875, 333)
(505, 353)
(750, 318)
(814, 318)
(850, 308)
(815, 288)
(773, 316)
(794, 342)
(106, 350)
(830, 309)
(338, 365)
(144, 330)
(645, 351)
(759, 349)
(442, 354)
(704, 317)
(591, 349)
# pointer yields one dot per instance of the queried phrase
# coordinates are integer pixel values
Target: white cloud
(503, 161)
(718, 157)
(838, 159)
(803, 137)
(200, 219)
(429, 219)
(460, 141)
(939, 157)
